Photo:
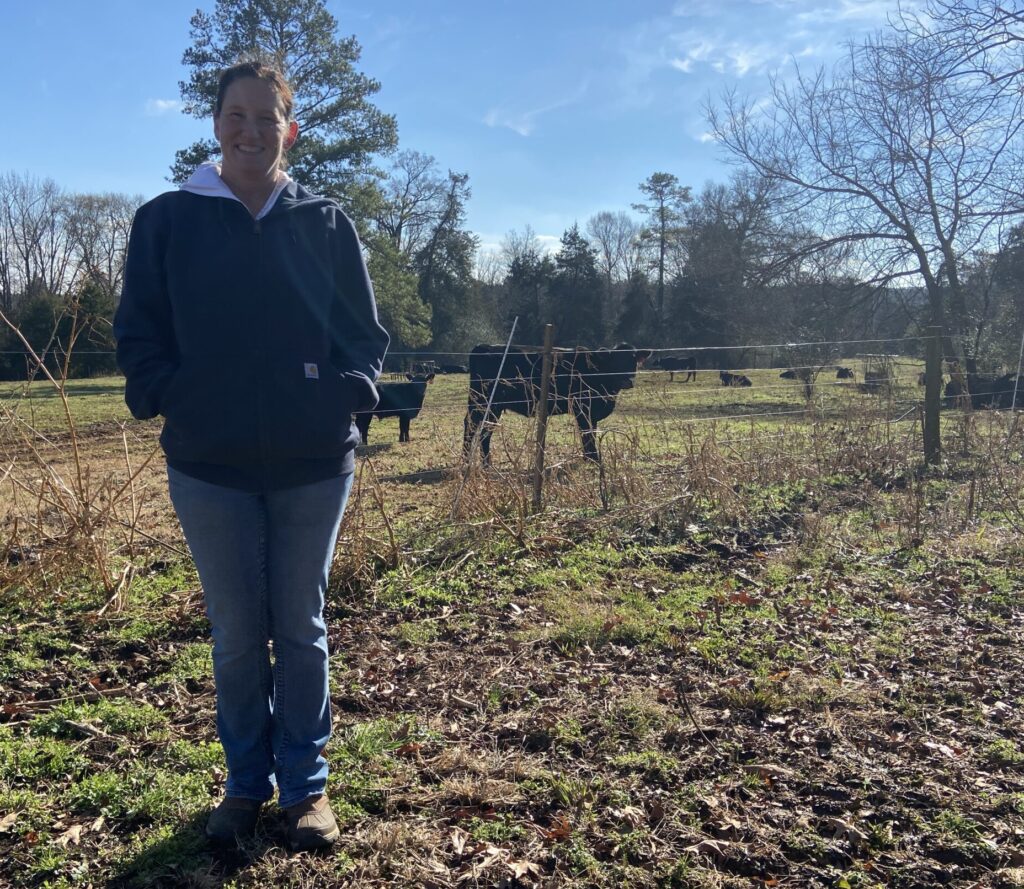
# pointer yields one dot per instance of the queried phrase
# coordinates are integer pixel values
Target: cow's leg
(403, 427)
(363, 425)
(485, 435)
(588, 434)
(469, 427)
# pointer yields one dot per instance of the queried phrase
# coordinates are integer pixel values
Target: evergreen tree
(577, 292)
(404, 315)
(529, 278)
(445, 266)
(664, 212)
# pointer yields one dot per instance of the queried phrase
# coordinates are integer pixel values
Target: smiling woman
(251, 123)
(248, 322)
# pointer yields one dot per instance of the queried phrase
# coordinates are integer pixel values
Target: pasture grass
(766, 649)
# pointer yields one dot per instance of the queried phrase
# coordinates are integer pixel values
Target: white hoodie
(206, 181)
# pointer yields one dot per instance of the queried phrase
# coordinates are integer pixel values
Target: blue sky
(555, 109)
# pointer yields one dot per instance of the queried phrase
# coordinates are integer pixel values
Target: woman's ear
(293, 134)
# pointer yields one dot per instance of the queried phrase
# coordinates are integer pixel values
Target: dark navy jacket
(255, 340)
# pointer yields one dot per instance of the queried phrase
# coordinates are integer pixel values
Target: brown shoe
(234, 819)
(311, 824)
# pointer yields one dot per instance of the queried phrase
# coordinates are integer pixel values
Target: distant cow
(584, 383)
(453, 369)
(402, 400)
(844, 373)
(790, 374)
(987, 390)
(730, 379)
(677, 363)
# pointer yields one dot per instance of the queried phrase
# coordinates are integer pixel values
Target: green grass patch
(134, 719)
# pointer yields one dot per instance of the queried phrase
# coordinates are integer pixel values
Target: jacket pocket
(210, 412)
(308, 406)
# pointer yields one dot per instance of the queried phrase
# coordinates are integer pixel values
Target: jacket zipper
(261, 412)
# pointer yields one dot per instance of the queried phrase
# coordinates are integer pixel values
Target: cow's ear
(430, 378)
(643, 354)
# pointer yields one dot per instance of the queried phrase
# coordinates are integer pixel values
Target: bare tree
(900, 152)
(415, 198)
(98, 226)
(489, 267)
(613, 236)
(985, 36)
(37, 254)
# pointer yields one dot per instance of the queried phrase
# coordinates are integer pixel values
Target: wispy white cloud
(525, 122)
(549, 244)
(157, 107)
(710, 36)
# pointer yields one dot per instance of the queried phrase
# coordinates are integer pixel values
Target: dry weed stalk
(70, 517)
(362, 552)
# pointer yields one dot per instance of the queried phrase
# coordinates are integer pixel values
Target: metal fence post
(542, 416)
(932, 397)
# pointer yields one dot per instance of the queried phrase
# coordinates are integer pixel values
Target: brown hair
(261, 72)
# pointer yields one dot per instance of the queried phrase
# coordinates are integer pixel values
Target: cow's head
(419, 378)
(616, 368)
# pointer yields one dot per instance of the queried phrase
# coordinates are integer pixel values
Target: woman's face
(253, 130)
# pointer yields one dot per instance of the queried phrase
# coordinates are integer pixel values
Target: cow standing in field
(584, 383)
(678, 363)
(402, 400)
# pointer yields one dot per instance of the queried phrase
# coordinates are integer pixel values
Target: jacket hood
(206, 181)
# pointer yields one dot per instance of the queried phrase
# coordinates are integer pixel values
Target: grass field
(768, 650)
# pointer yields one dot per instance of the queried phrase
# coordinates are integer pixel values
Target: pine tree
(577, 292)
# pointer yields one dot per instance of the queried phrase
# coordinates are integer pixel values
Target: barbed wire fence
(668, 439)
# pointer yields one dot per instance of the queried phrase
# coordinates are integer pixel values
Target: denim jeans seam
(266, 677)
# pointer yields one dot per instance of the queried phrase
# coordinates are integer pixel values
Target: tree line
(870, 200)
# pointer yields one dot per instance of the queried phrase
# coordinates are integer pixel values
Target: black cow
(790, 374)
(583, 383)
(730, 379)
(453, 369)
(987, 390)
(676, 363)
(402, 400)
(844, 373)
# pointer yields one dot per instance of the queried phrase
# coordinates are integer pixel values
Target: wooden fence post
(933, 397)
(542, 417)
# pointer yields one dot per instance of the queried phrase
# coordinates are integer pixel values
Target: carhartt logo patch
(312, 371)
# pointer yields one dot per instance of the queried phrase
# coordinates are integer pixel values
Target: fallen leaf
(521, 870)
(767, 770)
(559, 830)
(71, 836)
(711, 848)
(410, 749)
(8, 821)
(458, 838)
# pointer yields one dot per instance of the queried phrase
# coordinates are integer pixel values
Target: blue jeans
(263, 561)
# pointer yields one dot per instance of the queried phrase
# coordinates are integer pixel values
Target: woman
(248, 321)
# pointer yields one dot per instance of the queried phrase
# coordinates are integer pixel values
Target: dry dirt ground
(821, 689)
